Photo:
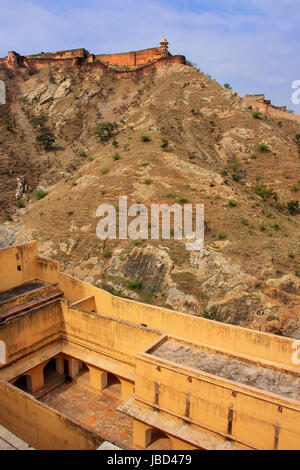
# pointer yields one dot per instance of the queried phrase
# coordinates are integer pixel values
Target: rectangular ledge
(198, 438)
(80, 352)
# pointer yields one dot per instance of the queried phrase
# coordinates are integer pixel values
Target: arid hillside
(177, 136)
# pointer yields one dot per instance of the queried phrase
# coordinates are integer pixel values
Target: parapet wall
(131, 61)
(259, 103)
(134, 58)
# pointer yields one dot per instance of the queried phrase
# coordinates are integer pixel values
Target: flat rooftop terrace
(22, 289)
(26, 296)
(284, 384)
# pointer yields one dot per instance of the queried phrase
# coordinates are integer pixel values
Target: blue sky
(254, 44)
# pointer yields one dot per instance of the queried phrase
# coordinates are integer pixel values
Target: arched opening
(2, 352)
(50, 372)
(157, 440)
(113, 386)
(23, 383)
(83, 375)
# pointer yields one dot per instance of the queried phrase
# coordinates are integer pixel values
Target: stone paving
(94, 409)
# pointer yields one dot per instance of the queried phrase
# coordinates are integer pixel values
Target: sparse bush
(182, 200)
(115, 143)
(104, 171)
(295, 187)
(40, 193)
(75, 96)
(232, 203)
(107, 254)
(134, 284)
(144, 164)
(145, 138)
(8, 127)
(105, 130)
(46, 140)
(293, 207)
(257, 115)
(116, 157)
(223, 236)
(164, 144)
(227, 86)
(8, 217)
(147, 181)
(291, 255)
(82, 153)
(208, 316)
(235, 169)
(39, 122)
(263, 148)
(20, 204)
(264, 192)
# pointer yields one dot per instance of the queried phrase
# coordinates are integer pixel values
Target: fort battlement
(259, 103)
(120, 63)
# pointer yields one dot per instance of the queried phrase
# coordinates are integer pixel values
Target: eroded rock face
(181, 301)
(7, 236)
(289, 284)
(218, 274)
(149, 265)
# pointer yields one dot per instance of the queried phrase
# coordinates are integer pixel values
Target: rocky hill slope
(204, 146)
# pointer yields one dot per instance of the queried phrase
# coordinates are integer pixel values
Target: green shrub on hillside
(46, 140)
(105, 130)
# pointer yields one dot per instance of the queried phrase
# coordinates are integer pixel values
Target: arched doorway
(23, 383)
(50, 372)
(158, 440)
(113, 386)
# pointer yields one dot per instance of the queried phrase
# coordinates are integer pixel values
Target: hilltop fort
(124, 62)
(127, 65)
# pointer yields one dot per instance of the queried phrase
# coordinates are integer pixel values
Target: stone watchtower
(164, 47)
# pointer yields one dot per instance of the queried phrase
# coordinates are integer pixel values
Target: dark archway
(50, 372)
(158, 440)
(23, 383)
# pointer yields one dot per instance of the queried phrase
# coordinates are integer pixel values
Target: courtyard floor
(94, 409)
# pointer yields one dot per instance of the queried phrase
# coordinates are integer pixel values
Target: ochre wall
(32, 330)
(110, 335)
(40, 426)
(231, 338)
(255, 416)
(12, 257)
